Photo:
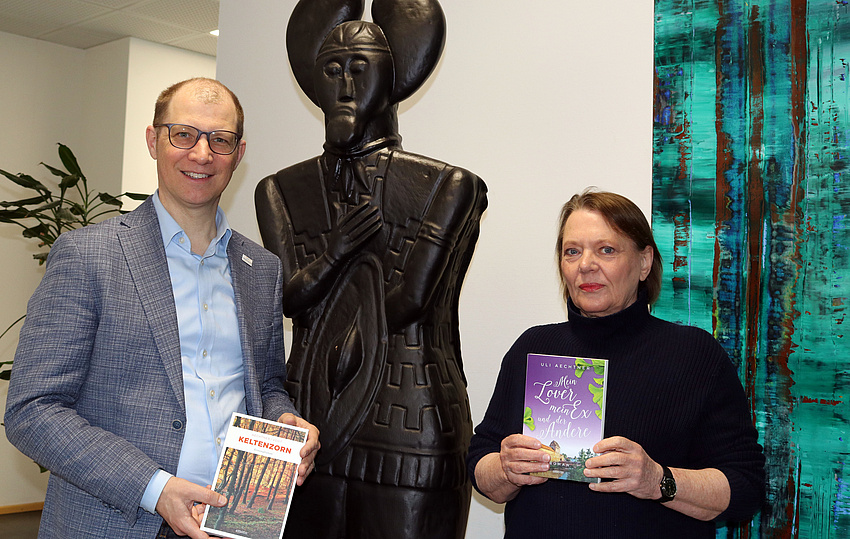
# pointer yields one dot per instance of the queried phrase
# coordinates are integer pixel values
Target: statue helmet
(412, 31)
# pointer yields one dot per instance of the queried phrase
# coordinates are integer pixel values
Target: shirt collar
(169, 227)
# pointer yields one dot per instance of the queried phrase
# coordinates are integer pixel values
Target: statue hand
(353, 230)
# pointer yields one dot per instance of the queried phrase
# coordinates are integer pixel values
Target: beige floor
(20, 525)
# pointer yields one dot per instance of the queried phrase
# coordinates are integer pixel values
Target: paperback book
(256, 472)
(565, 410)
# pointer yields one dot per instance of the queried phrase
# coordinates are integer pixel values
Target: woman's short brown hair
(625, 217)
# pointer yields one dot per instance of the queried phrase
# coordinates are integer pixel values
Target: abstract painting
(750, 202)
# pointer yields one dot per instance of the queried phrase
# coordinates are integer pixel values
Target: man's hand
(176, 505)
(308, 452)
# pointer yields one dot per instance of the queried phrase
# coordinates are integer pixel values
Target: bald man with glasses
(146, 333)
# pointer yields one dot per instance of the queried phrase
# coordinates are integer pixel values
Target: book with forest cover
(256, 472)
(565, 410)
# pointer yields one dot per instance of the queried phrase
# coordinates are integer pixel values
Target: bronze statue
(375, 242)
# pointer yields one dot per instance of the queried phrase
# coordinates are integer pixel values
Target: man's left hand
(308, 452)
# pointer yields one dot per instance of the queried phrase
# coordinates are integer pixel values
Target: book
(257, 472)
(565, 410)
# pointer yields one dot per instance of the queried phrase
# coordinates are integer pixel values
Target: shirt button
(182, 239)
(177, 424)
(202, 261)
(218, 441)
(206, 307)
(212, 393)
(204, 353)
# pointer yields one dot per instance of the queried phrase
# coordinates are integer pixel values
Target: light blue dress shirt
(210, 349)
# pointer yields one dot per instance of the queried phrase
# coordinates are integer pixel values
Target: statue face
(353, 89)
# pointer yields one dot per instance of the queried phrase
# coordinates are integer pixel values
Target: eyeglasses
(185, 137)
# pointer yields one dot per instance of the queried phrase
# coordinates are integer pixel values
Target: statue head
(353, 81)
(333, 53)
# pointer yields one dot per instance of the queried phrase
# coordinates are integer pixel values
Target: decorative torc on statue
(375, 243)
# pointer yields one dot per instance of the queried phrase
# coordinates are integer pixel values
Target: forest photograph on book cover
(565, 410)
(257, 483)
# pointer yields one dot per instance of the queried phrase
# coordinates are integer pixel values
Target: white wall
(98, 102)
(39, 108)
(540, 99)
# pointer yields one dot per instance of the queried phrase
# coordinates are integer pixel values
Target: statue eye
(358, 66)
(333, 69)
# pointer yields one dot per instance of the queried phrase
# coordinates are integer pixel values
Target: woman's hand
(501, 475)
(627, 465)
(701, 494)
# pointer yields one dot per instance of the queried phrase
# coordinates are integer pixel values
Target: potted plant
(47, 214)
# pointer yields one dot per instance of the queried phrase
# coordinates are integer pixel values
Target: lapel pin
(246, 259)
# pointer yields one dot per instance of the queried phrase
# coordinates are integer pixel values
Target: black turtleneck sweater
(671, 388)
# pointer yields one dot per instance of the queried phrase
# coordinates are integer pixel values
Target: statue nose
(347, 86)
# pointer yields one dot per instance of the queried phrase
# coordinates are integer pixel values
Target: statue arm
(306, 287)
(458, 199)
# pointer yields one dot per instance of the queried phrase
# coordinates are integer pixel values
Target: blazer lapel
(242, 274)
(142, 244)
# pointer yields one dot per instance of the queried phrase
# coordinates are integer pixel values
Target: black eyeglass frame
(200, 134)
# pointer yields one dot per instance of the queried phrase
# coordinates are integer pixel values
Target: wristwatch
(668, 486)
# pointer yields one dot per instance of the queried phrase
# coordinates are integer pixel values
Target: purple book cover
(565, 410)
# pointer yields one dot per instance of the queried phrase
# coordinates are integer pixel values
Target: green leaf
(25, 201)
(53, 170)
(599, 367)
(135, 196)
(41, 257)
(25, 180)
(528, 419)
(69, 181)
(69, 160)
(65, 214)
(36, 231)
(6, 375)
(45, 207)
(582, 365)
(106, 198)
(75, 207)
(598, 395)
(8, 216)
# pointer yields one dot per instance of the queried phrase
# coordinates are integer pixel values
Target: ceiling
(86, 23)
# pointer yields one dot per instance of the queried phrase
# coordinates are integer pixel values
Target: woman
(675, 410)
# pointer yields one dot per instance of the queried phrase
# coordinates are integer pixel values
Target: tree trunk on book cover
(228, 468)
(274, 486)
(259, 483)
(240, 485)
(244, 485)
(230, 488)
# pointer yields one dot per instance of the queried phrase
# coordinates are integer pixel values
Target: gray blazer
(96, 394)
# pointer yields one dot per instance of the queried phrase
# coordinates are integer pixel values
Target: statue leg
(388, 512)
(318, 509)
(328, 507)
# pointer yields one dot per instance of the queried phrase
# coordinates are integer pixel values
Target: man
(146, 333)
(375, 242)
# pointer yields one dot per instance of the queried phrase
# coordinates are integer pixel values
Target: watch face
(668, 487)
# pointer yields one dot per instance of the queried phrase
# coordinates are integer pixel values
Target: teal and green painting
(751, 194)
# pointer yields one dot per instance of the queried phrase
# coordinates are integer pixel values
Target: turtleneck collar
(629, 320)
